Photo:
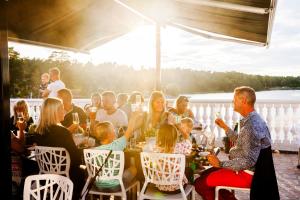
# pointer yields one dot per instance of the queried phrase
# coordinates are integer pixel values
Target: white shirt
(118, 118)
(54, 87)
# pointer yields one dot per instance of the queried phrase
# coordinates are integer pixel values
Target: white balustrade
(281, 116)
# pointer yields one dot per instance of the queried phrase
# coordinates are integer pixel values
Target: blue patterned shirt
(254, 135)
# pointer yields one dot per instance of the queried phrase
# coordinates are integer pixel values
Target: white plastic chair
(229, 188)
(112, 170)
(47, 186)
(164, 169)
(53, 160)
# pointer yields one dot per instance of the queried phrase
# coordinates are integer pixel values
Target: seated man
(66, 96)
(110, 113)
(253, 137)
(105, 133)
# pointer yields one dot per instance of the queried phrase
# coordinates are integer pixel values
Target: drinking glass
(138, 99)
(93, 111)
(217, 115)
(75, 118)
(20, 117)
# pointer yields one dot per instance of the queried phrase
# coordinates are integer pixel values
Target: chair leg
(193, 194)
(217, 193)
(137, 190)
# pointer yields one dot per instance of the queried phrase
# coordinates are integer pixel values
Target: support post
(158, 58)
(5, 166)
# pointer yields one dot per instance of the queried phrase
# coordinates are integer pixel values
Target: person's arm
(16, 144)
(135, 116)
(228, 131)
(250, 151)
(191, 114)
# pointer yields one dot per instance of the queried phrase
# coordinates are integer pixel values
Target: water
(263, 95)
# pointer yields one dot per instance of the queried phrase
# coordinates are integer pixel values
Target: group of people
(171, 126)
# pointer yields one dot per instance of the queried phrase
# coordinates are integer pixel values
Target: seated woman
(156, 116)
(105, 133)
(166, 143)
(21, 112)
(51, 133)
(181, 107)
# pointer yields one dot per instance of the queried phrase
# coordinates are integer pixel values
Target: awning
(83, 25)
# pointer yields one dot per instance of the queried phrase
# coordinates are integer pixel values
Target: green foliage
(83, 79)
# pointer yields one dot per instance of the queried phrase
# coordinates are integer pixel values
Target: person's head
(157, 102)
(45, 77)
(54, 74)
(122, 99)
(181, 104)
(166, 138)
(66, 96)
(21, 106)
(132, 98)
(96, 99)
(52, 113)
(244, 99)
(108, 100)
(105, 132)
(187, 124)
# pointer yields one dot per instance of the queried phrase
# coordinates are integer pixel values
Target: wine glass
(75, 119)
(138, 99)
(20, 117)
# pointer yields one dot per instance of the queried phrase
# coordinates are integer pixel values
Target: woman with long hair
(52, 133)
(157, 114)
(166, 142)
(21, 112)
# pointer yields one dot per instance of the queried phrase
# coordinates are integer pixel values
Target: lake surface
(266, 95)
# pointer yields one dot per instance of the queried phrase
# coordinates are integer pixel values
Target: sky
(181, 49)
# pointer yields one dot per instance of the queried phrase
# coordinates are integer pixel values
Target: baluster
(227, 113)
(235, 118)
(269, 119)
(212, 117)
(278, 125)
(205, 114)
(295, 119)
(286, 127)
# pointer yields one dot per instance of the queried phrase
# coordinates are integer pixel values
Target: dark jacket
(264, 183)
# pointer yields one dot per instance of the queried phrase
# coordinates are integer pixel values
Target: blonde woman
(21, 112)
(52, 133)
(157, 114)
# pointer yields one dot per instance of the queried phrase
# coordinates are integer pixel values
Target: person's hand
(73, 128)
(221, 124)
(21, 125)
(171, 119)
(213, 160)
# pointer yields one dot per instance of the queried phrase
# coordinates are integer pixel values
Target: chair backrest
(162, 168)
(53, 160)
(113, 169)
(47, 186)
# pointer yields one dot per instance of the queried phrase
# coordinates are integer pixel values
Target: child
(105, 133)
(186, 128)
(166, 143)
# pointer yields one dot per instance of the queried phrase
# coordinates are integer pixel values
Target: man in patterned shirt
(238, 171)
